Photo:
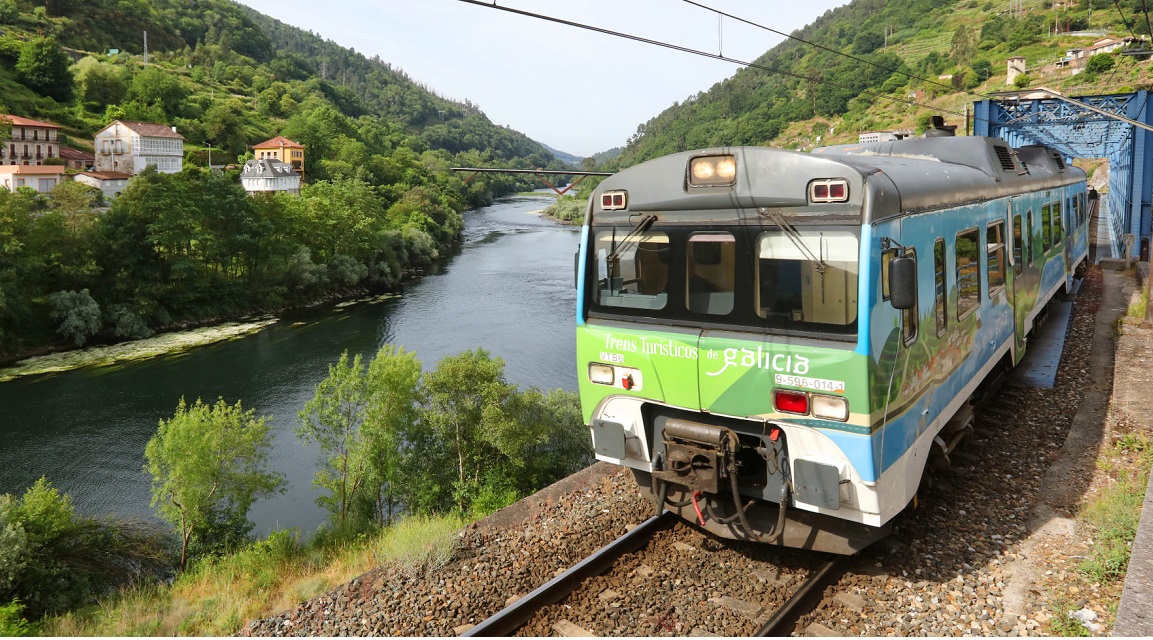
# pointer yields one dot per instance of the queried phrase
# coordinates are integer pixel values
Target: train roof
(903, 176)
(936, 171)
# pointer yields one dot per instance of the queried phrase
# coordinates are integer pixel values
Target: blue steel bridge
(1118, 127)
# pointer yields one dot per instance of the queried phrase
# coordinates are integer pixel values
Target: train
(779, 344)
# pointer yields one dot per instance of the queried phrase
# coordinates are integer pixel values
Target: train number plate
(816, 384)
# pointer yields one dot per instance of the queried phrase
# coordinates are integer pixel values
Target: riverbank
(162, 344)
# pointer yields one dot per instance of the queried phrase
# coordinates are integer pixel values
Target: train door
(1016, 287)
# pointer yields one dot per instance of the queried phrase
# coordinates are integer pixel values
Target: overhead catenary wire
(698, 52)
(829, 49)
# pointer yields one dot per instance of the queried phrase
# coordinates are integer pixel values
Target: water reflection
(508, 290)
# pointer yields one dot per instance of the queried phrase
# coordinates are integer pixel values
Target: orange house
(284, 150)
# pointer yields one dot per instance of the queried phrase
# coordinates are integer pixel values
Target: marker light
(830, 408)
(614, 200)
(601, 373)
(712, 171)
(791, 401)
(829, 190)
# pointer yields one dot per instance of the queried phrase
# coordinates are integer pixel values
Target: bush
(78, 313)
(12, 623)
(53, 560)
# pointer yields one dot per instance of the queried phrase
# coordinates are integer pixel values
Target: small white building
(110, 183)
(265, 175)
(884, 136)
(128, 147)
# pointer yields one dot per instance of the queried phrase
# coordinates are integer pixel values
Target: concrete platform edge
(1131, 401)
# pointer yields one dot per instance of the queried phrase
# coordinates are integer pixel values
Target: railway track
(775, 620)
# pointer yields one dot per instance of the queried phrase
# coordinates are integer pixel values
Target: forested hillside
(379, 200)
(861, 66)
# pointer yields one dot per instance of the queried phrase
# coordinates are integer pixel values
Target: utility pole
(145, 47)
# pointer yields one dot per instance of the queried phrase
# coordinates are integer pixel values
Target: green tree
(333, 420)
(1099, 63)
(78, 314)
(963, 45)
(395, 392)
(467, 408)
(100, 83)
(208, 467)
(153, 85)
(43, 67)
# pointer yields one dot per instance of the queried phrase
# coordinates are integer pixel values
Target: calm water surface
(509, 290)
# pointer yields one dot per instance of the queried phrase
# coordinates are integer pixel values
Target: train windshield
(799, 279)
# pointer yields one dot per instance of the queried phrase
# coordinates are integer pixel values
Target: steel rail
(781, 624)
(508, 620)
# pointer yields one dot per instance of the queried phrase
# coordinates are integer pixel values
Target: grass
(1137, 307)
(217, 596)
(1114, 514)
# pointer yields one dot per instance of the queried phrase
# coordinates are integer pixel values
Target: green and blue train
(777, 343)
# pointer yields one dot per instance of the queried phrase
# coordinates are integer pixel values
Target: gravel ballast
(970, 559)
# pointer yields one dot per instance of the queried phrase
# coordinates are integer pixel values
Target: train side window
(1057, 223)
(1046, 228)
(995, 256)
(940, 287)
(909, 316)
(1030, 245)
(710, 266)
(968, 251)
(1018, 250)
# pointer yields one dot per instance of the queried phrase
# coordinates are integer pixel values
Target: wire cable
(831, 50)
(705, 54)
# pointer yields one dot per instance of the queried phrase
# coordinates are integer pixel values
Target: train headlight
(830, 408)
(712, 171)
(601, 373)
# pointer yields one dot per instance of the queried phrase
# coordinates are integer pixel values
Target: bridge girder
(1078, 132)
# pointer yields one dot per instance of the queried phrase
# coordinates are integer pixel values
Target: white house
(42, 178)
(128, 147)
(31, 141)
(265, 175)
(110, 183)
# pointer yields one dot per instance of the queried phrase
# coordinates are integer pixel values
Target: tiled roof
(68, 153)
(18, 121)
(151, 130)
(267, 167)
(106, 175)
(33, 169)
(277, 142)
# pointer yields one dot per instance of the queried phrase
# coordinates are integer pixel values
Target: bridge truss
(1117, 127)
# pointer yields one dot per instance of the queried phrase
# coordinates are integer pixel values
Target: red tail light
(791, 401)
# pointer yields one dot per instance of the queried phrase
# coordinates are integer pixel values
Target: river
(509, 289)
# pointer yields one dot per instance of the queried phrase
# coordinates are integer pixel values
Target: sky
(577, 91)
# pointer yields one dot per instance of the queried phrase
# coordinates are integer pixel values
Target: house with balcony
(31, 142)
(284, 150)
(39, 178)
(268, 175)
(129, 147)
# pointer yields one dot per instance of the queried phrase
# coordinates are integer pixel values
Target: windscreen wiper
(794, 236)
(632, 237)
